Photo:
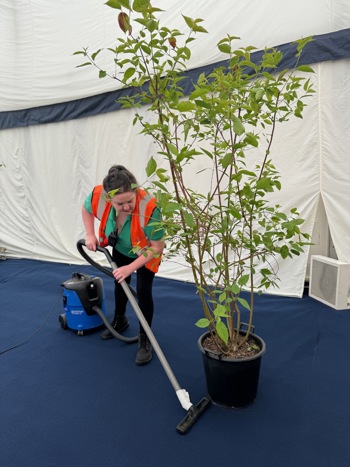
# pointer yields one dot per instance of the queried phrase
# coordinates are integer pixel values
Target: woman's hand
(155, 248)
(123, 272)
(91, 242)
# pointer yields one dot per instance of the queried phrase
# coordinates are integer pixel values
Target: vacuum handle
(81, 243)
(107, 254)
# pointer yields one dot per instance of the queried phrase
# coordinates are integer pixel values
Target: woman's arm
(89, 222)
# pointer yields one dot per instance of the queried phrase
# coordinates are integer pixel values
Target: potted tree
(227, 228)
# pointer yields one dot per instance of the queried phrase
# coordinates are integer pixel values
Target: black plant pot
(232, 382)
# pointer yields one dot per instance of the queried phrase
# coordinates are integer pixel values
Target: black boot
(144, 354)
(119, 324)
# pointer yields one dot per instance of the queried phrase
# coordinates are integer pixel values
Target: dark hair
(120, 178)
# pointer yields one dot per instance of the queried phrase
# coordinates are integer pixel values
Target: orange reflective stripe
(141, 215)
(100, 209)
(95, 199)
(102, 227)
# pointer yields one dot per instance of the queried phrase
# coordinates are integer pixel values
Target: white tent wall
(50, 168)
(335, 154)
(38, 39)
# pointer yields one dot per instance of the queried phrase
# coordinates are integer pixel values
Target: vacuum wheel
(63, 321)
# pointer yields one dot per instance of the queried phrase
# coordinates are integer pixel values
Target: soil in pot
(247, 349)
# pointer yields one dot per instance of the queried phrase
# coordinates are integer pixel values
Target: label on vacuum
(76, 312)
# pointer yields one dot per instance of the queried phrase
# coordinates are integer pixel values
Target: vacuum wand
(193, 411)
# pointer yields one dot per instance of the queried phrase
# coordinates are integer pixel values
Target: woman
(128, 218)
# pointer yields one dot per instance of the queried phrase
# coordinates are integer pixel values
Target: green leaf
(141, 5)
(94, 55)
(151, 167)
(188, 218)
(222, 331)
(220, 310)
(173, 149)
(302, 43)
(244, 279)
(171, 207)
(203, 323)
(114, 4)
(146, 49)
(305, 68)
(228, 39)
(222, 297)
(227, 160)
(189, 21)
(284, 251)
(197, 93)
(129, 73)
(235, 213)
(162, 174)
(238, 126)
(185, 106)
(252, 139)
(152, 25)
(187, 128)
(259, 94)
(264, 184)
(224, 48)
(197, 28)
(243, 303)
(235, 289)
(203, 104)
(84, 64)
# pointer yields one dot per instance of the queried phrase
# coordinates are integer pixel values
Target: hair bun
(116, 168)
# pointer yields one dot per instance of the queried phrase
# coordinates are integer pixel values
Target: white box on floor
(330, 282)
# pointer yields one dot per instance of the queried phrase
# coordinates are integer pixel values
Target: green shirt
(124, 245)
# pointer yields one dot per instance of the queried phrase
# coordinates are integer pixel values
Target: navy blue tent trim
(332, 46)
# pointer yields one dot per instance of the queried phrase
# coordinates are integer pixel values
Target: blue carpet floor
(71, 401)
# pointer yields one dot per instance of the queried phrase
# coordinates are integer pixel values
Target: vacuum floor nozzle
(194, 412)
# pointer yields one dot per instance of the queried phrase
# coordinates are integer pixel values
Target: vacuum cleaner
(84, 304)
(89, 293)
(80, 294)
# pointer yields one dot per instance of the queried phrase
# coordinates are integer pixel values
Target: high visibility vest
(140, 216)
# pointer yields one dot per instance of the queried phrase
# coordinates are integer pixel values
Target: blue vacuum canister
(81, 293)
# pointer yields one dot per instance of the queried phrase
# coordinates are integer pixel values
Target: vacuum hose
(96, 309)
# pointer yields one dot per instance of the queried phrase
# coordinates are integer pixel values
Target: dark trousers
(144, 283)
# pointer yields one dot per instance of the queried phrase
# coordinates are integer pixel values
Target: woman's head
(119, 178)
(120, 186)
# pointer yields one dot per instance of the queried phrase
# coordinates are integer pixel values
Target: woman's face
(124, 202)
